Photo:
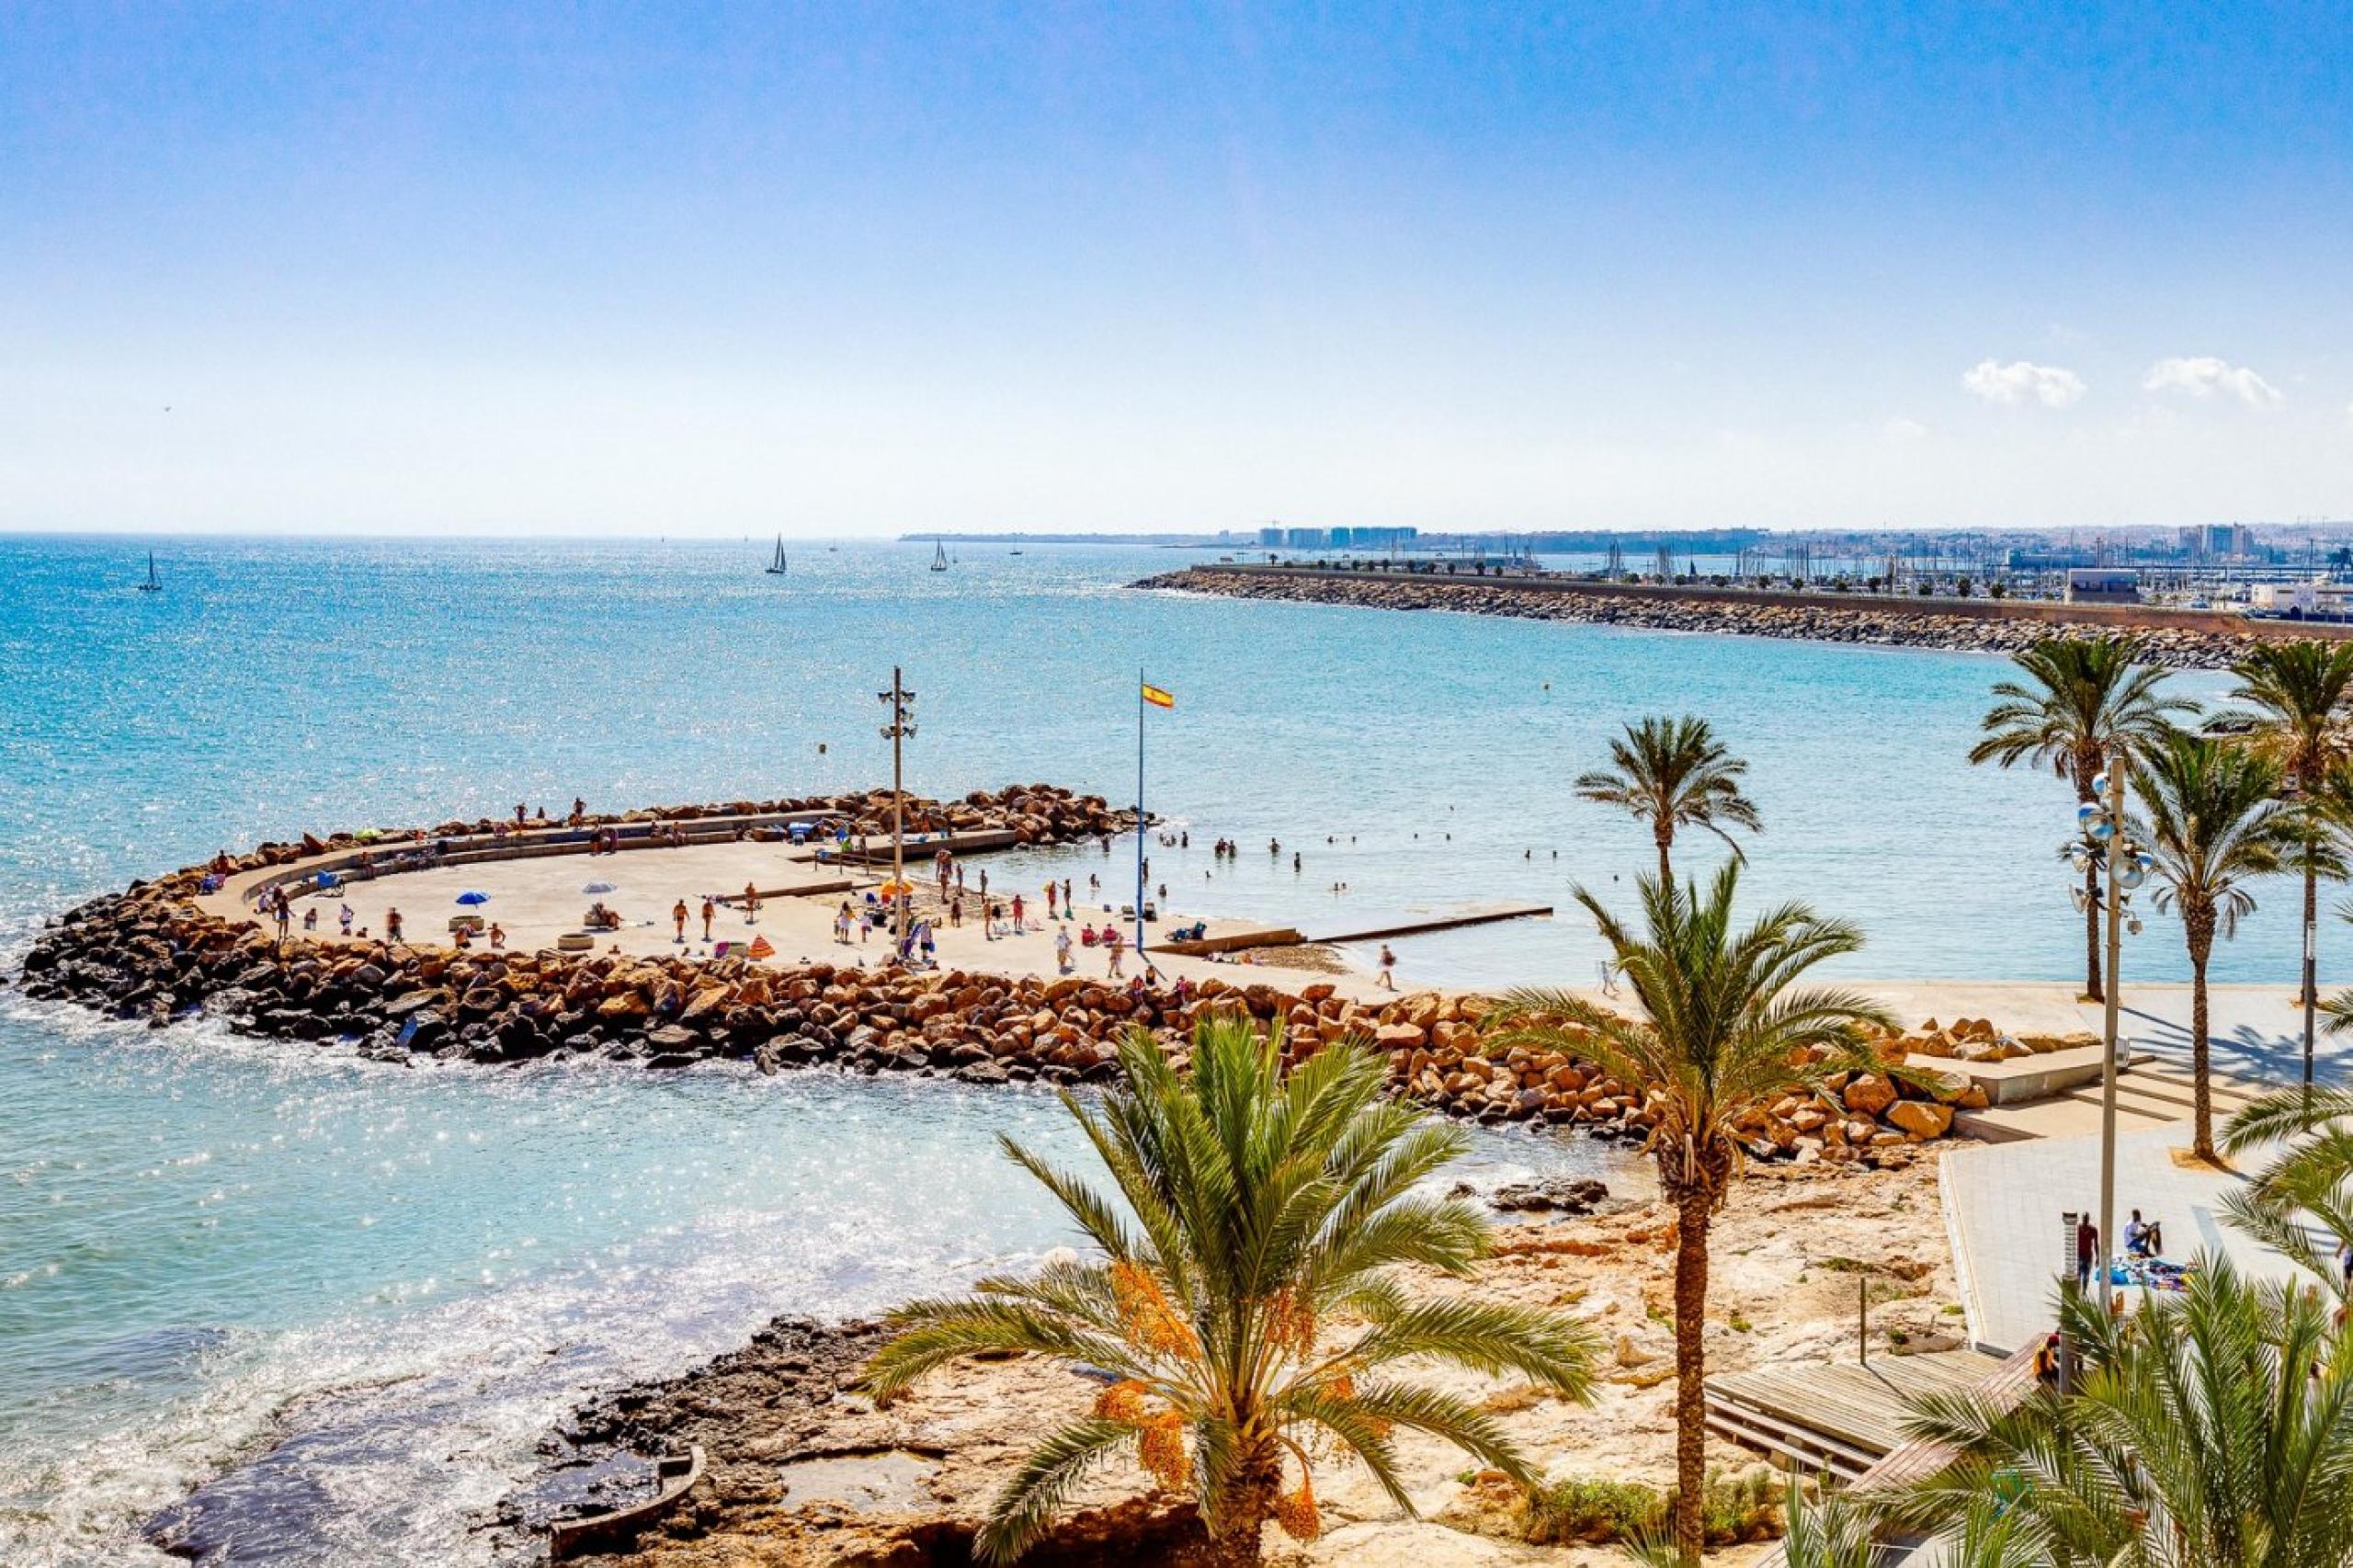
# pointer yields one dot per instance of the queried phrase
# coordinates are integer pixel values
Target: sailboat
(938, 555)
(775, 567)
(153, 584)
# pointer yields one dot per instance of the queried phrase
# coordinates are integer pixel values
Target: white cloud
(2021, 379)
(1901, 429)
(2203, 376)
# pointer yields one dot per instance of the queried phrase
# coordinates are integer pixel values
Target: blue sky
(860, 268)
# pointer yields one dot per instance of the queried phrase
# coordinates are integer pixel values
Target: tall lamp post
(899, 730)
(2127, 866)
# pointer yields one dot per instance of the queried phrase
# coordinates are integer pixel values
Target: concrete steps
(2152, 1093)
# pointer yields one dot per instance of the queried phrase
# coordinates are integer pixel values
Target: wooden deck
(1843, 1417)
(1918, 1459)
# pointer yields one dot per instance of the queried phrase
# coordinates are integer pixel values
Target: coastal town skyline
(537, 271)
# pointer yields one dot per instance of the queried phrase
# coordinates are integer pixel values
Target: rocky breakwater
(136, 958)
(1439, 1055)
(1857, 618)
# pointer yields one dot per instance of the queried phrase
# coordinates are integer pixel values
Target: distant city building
(1271, 536)
(1305, 539)
(2103, 585)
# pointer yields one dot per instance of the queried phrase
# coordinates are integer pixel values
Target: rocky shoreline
(1860, 620)
(152, 954)
(805, 1470)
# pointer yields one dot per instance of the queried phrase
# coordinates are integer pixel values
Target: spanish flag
(1158, 697)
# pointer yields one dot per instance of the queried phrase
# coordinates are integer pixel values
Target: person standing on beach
(391, 924)
(1017, 914)
(678, 920)
(710, 913)
(1114, 944)
(751, 904)
(1387, 981)
(1050, 898)
(1062, 950)
(1067, 905)
(343, 918)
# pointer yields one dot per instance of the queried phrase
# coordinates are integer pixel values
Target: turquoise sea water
(406, 1273)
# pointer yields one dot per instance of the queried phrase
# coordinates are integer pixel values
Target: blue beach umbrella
(598, 887)
(473, 898)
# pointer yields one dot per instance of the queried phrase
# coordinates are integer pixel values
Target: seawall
(2176, 639)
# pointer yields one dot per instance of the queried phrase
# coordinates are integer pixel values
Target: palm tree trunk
(1240, 1521)
(1664, 837)
(2091, 931)
(2201, 1099)
(1693, 1210)
(2087, 767)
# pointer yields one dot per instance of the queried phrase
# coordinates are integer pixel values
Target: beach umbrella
(473, 898)
(598, 887)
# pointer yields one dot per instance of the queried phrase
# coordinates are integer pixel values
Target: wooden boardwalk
(1843, 1417)
(1443, 923)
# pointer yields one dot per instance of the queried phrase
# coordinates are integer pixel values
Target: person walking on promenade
(678, 920)
(710, 913)
(1387, 981)
(1062, 950)
(2087, 1251)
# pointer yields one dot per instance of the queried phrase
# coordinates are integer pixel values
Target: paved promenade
(2004, 1201)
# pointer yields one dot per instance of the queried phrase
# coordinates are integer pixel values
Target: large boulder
(1920, 1120)
(1867, 1094)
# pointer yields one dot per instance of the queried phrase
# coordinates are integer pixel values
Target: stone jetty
(149, 954)
(1983, 626)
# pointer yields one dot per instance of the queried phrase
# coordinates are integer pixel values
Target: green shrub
(1581, 1512)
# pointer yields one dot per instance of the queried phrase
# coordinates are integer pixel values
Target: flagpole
(1140, 958)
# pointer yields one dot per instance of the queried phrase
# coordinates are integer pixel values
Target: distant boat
(153, 584)
(938, 556)
(775, 567)
(1016, 552)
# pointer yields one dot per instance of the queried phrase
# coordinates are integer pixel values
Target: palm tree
(1725, 1029)
(2082, 704)
(1244, 1299)
(2311, 1178)
(2298, 691)
(2211, 818)
(2211, 1429)
(1674, 773)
